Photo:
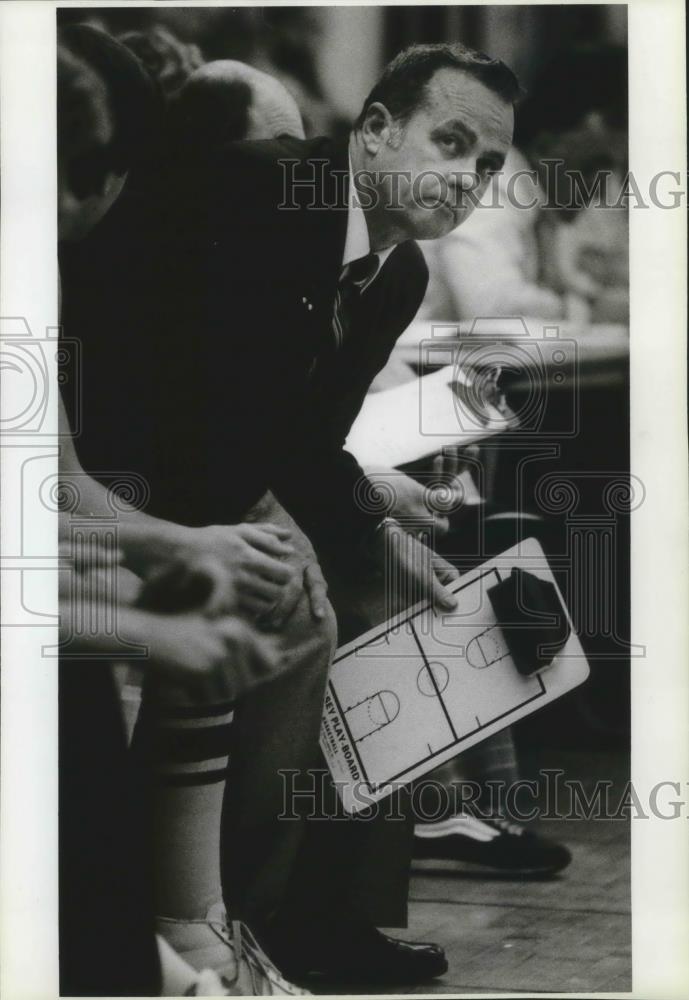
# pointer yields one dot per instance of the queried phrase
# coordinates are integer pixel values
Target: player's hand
(307, 579)
(244, 565)
(195, 583)
(93, 571)
(217, 660)
(413, 572)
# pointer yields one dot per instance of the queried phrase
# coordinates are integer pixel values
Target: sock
(185, 749)
(472, 772)
(129, 682)
(493, 760)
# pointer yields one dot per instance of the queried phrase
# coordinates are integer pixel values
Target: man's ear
(377, 128)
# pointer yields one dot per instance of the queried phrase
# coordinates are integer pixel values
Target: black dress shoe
(355, 954)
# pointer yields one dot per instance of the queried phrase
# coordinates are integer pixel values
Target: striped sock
(186, 751)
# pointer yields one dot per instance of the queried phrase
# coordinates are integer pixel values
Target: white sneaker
(230, 951)
(208, 984)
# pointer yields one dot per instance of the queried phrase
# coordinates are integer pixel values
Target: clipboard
(419, 689)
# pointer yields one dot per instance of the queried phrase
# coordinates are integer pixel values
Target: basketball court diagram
(372, 714)
(405, 698)
(407, 701)
(486, 648)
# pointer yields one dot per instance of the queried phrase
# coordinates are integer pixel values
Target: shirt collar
(357, 243)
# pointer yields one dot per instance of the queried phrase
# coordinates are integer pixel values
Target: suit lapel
(372, 310)
(326, 229)
(322, 247)
(352, 366)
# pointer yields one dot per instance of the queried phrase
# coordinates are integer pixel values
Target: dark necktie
(354, 278)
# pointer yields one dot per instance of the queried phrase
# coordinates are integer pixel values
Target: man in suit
(286, 271)
(303, 261)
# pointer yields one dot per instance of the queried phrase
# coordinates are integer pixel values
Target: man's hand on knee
(309, 580)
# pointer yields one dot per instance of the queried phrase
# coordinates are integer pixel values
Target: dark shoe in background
(493, 845)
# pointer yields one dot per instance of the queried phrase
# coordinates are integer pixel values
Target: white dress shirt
(357, 242)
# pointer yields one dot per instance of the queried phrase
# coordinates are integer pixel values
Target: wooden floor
(569, 934)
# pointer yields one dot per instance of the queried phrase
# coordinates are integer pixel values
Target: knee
(328, 629)
(311, 641)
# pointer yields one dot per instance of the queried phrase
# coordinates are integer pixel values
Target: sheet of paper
(594, 342)
(419, 418)
(418, 690)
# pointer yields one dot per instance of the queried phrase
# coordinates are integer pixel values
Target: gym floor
(569, 934)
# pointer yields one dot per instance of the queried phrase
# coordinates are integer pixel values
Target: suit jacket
(235, 280)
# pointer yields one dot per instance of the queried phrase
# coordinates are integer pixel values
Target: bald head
(227, 100)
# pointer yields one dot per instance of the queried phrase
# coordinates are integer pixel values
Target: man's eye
(487, 171)
(450, 144)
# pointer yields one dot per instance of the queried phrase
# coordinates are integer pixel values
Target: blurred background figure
(550, 239)
(227, 100)
(109, 119)
(167, 59)
(584, 229)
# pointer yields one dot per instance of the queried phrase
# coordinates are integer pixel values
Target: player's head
(227, 100)
(107, 116)
(168, 60)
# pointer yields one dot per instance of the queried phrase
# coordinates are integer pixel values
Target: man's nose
(465, 175)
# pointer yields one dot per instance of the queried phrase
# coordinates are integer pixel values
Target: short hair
(133, 98)
(167, 59)
(402, 86)
(84, 126)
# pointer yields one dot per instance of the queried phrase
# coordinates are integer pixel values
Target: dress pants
(309, 868)
(297, 868)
